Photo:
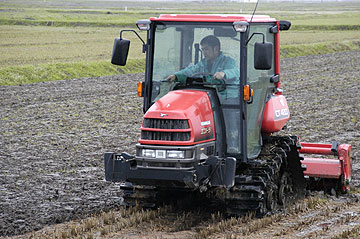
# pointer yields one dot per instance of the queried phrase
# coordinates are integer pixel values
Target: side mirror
(263, 55)
(120, 51)
(284, 25)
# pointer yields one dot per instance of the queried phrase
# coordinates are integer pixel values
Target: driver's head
(210, 46)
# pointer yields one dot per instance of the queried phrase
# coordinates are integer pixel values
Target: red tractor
(213, 112)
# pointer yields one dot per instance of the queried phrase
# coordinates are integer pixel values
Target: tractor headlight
(175, 154)
(162, 154)
(148, 153)
(240, 26)
(143, 25)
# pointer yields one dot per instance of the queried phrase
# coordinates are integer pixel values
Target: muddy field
(53, 136)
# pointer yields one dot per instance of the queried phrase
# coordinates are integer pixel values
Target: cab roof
(212, 18)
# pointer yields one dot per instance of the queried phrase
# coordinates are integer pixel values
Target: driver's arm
(231, 70)
(181, 75)
(227, 69)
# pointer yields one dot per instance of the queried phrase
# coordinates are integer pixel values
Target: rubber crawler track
(273, 179)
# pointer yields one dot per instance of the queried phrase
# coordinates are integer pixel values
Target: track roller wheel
(270, 199)
(285, 190)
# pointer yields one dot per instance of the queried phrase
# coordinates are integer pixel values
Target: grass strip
(318, 48)
(15, 75)
(56, 23)
(131, 23)
(325, 27)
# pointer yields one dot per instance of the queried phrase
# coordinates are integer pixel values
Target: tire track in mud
(53, 136)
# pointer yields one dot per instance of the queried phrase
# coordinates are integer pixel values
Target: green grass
(15, 75)
(62, 39)
(293, 37)
(23, 45)
(111, 13)
(328, 20)
(319, 48)
(69, 18)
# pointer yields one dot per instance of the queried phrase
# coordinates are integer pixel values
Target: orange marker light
(140, 89)
(248, 92)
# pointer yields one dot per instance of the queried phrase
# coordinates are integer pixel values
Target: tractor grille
(166, 124)
(168, 136)
(169, 124)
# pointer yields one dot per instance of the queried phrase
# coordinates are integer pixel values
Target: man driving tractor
(215, 66)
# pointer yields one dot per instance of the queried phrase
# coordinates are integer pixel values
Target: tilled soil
(53, 136)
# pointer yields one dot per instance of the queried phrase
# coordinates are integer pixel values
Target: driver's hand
(219, 75)
(171, 78)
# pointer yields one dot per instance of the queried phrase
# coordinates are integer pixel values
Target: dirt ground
(53, 136)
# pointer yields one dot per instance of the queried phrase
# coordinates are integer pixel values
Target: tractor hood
(181, 117)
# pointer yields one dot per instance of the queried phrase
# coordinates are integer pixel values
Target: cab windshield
(181, 49)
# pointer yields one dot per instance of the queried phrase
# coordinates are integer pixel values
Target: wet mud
(53, 136)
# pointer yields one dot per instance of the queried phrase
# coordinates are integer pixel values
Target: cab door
(261, 85)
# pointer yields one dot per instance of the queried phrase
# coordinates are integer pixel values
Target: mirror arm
(144, 45)
(255, 33)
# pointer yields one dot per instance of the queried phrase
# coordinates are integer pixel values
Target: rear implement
(328, 173)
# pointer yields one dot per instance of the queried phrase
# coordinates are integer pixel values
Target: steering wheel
(203, 74)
